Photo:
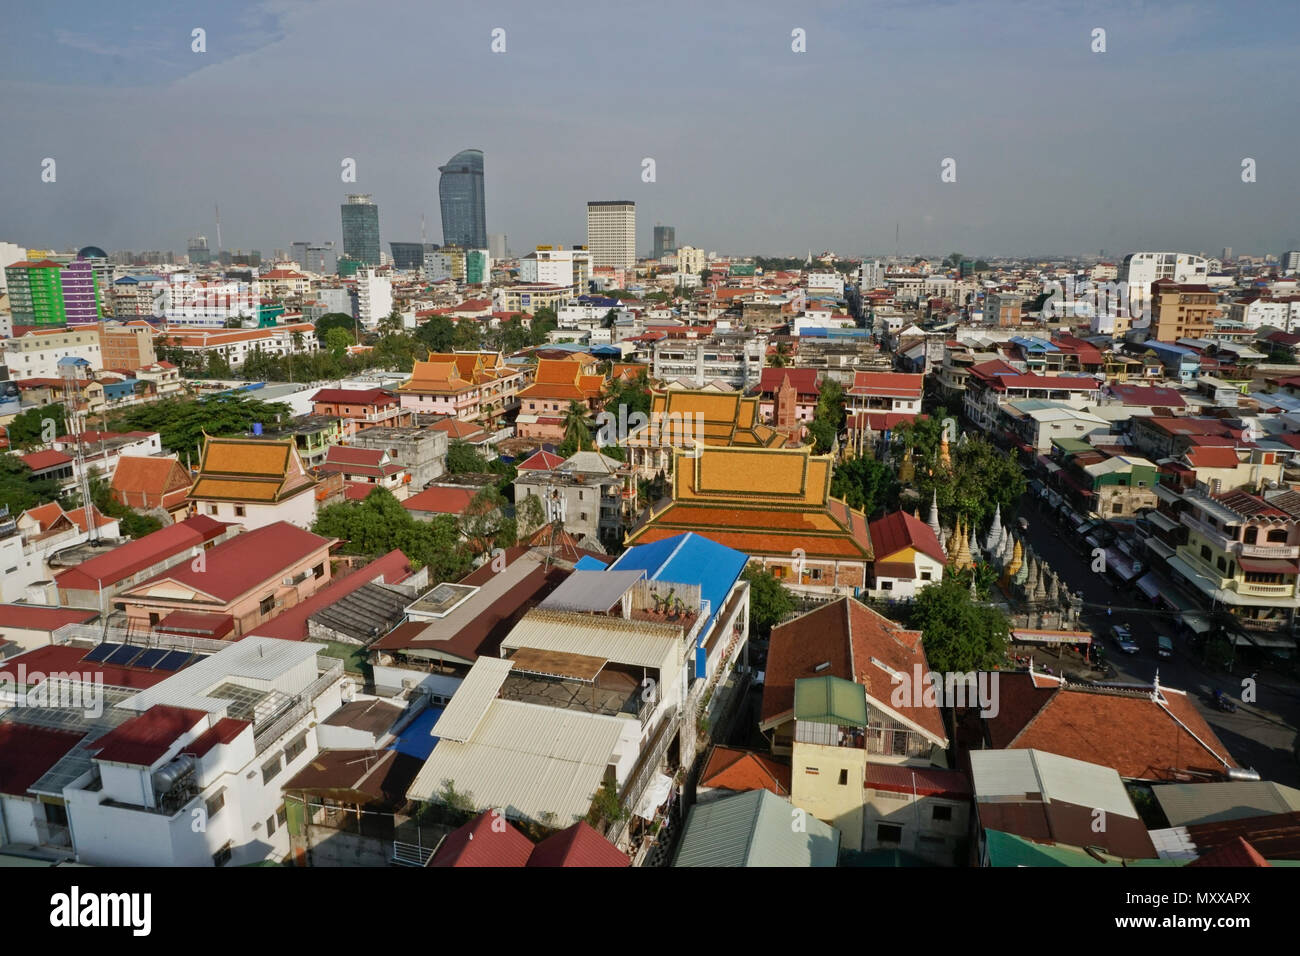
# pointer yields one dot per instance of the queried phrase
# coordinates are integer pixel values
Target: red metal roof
(36, 617)
(923, 781)
(479, 843)
(121, 563)
(447, 501)
(67, 658)
(732, 769)
(142, 741)
(27, 753)
(355, 396)
(541, 461)
(291, 625)
(223, 732)
(893, 532)
(40, 460)
(578, 845)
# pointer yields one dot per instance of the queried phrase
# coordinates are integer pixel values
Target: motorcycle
(1224, 702)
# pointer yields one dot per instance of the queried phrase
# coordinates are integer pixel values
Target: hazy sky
(757, 149)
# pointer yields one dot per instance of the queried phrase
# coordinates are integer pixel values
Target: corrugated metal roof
(1186, 804)
(591, 590)
(472, 698)
(1015, 773)
(527, 760)
(640, 643)
(830, 700)
(754, 829)
(254, 659)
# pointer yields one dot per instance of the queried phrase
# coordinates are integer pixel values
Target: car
(1122, 636)
(1164, 646)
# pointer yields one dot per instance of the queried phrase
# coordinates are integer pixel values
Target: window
(295, 747)
(1277, 536)
(942, 812)
(886, 585)
(222, 856)
(844, 778)
(813, 771)
(212, 509)
(281, 816)
(212, 806)
(318, 571)
(270, 825)
(270, 769)
(889, 833)
(925, 575)
(1251, 535)
(267, 605)
(1205, 552)
(239, 511)
(1117, 508)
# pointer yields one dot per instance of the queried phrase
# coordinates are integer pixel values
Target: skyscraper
(460, 193)
(361, 229)
(611, 233)
(665, 241)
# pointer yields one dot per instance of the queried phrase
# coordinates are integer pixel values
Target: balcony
(1216, 538)
(1282, 551)
(1265, 590)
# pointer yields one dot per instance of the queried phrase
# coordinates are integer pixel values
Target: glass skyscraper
(361, 229)
(460, 193)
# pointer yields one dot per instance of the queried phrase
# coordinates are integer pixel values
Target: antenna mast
(218, 209)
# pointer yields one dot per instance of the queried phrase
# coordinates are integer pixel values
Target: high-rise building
(497, 246)
(410, 255)
(665, 241)
(361, 229)
(1182, 310)
(1290, 262)
(1227, 253)
(1140, 269)
(318, 257)
(198, 251)
(611, 233)
(478, 267)
(460, 193)
(374, 298)
(691, 260)
(46, 294)
(9, 254)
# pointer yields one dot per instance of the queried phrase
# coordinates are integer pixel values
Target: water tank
(166, 778)
(257, 428)
(1243, 773)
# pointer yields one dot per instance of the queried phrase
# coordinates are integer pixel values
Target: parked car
(1122, 636)
(1164, 646)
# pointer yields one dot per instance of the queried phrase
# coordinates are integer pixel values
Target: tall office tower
(1289, 262)
(409, 256)
(497, 247)
(198, 251)
(361, 229)
(1227, 254)
(611, 233)
(318, 257)
(665, 241)
(460, 194)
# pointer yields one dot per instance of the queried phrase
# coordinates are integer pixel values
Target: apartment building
(36, 353)
(733, 358)
(611, 233)
(1182, 310)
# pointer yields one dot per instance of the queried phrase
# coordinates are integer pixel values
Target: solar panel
(150, 657)
(102, 651)
(123, 655)
(172, 661)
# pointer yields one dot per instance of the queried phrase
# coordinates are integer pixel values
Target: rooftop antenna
(218, 209)
(423, 238)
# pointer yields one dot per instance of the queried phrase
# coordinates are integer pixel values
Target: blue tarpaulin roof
(588, 563)
(688, 559)
(417, 739)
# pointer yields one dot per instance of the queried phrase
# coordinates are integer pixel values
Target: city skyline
(1056, 148)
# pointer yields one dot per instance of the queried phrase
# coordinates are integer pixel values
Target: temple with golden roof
(253, 482)
(470, 386)
(774, 505)
(683, 418)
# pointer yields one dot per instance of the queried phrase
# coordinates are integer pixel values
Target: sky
(757, 149)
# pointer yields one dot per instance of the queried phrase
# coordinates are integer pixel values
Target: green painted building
(36, 293)
(477, 267)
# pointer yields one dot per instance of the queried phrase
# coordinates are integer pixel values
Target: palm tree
(576, 431)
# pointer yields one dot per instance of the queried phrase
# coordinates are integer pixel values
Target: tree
(484, 524)
(182, 423)
(19, 490)
(378, 524)
(337, 341)
(131, 522)
(333, 320)
(577, 434)
(436, 335)
(391, 324)
(829, 416)
(543, 324)
(468, 336)
(958, 634)
(864, 483)
(634, 393)
(770, 601)
(529, 515)
(462, 458)
(705, 276)
(29, 429)
(216, 365)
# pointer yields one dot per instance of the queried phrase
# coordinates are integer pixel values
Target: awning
(1197, 623)
(1268, 565)
(1150, 585)
(1262, 639)
(656, 793)
(1119, 562)
(1051, 637)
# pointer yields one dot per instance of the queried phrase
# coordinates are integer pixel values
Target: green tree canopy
(959, 635)
(28, 429)
(462, 458)
(436, 334)
(866, 484)
(378, 524)
(182, 422)
(334, 320)
(19, 490)
(337, 341)
(770, 601)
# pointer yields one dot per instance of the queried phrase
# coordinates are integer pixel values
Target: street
(1261, 735)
